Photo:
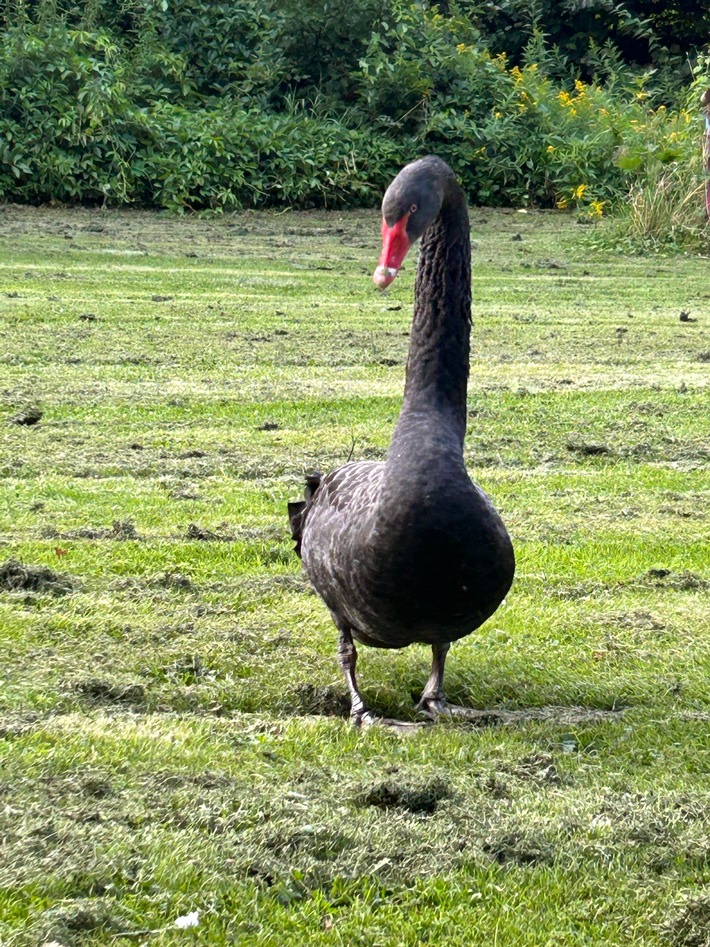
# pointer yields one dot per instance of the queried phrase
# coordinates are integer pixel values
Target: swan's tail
(297, 512)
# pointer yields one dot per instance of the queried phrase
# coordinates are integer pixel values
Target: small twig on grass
(353, 443)
(155, 930)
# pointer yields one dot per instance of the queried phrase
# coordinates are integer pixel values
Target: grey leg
(359, 714)
(433, 702)
(347, 658)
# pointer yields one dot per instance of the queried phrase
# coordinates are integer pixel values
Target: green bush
(194, 105)
(230, 158)
(71, 131)
(515, 135)
(66, 122)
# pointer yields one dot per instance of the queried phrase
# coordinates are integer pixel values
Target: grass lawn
(173, 732)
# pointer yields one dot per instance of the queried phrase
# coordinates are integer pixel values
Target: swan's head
(411, 203)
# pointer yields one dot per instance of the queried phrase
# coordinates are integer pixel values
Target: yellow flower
(564, 97)
(580, 86)
(596, 209)
(562, 203)
(498, 115)
(550, 149)
(516, 74)
(579, 191)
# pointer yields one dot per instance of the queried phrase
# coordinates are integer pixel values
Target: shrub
(515, 135)
(184, 105)
(71, 131)
(65, 118)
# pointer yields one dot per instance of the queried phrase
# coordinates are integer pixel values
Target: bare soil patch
(400, 794)
(16, 576)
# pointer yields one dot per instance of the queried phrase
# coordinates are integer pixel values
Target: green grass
(171, 728)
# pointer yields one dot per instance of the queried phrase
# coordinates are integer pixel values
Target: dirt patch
(636, 619)
(15, 576)
(67, 922)
(100, 691)
(588, 449)
(325, 700)
(192, 455)
(691, 925)
(124, 529)
(199, 533)
(412, 796)
(27, 418)
(668, 579)
(96, 787)
(173, 580)
(121, 529)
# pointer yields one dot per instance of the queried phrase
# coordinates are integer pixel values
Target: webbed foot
(366, 718)
(438, 708)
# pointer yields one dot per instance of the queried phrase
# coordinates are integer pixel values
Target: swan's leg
(347, 658)
(433, 702)
(359, 714)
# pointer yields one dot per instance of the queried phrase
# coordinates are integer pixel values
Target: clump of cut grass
(690, 927)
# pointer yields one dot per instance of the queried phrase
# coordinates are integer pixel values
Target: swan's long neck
(437, 367)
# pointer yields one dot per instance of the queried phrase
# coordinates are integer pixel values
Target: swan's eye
(413, 209)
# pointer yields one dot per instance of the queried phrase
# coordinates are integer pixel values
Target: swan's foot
(433, 708)
(438, 708)
(363, 719)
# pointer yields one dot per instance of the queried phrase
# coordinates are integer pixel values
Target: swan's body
(409, 549)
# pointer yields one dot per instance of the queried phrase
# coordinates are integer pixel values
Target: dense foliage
(189, 104)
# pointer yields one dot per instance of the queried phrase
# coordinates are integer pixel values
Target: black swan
(409, 549)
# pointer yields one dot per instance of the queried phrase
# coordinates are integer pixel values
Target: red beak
(395, 244)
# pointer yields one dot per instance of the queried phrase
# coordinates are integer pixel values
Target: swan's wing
(338, 510)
